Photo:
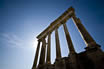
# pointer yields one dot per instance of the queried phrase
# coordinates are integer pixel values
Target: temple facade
(91, 58)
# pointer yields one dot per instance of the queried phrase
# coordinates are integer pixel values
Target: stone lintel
(65, 16)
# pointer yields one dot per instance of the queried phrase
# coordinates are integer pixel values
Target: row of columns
(85, 35)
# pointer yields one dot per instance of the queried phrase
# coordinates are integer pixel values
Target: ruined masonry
(91, 58)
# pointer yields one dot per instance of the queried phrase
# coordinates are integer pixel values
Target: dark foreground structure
(91, 58)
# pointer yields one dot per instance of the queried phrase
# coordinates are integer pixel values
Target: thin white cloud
(16, 41)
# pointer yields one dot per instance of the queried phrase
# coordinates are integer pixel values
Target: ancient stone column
(89, 41)
(58, 50)
(69, 41)
(93, 51)
(42, 55)
(48, 60)
(36, 56)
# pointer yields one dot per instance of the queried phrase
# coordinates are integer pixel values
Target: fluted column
(89, 41)
(43, 50)
(48, 60)
(58, 50)
(69, 41)
(36, 56)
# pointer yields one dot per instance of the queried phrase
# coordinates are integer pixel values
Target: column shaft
(49, 49)
(42, 55)
(58, 50)
(69, 41)
(84, 33)
(36, 55)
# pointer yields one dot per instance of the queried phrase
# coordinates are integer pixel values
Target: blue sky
(22, 20)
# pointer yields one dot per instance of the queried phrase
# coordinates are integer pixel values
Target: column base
(49, 66)
(73, 58)
(41, 66)
(95, 54)
(60, 64)
(91, 47)
(33, 67)
(72, 54)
